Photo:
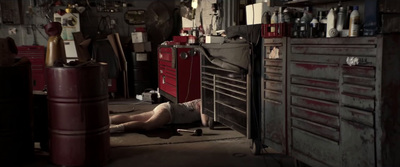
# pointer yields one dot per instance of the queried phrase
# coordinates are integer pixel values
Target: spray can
(354, 24)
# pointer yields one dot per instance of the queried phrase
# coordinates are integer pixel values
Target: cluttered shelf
(300, 3)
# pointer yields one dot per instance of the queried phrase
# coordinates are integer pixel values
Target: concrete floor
(223, 148)
(220, 153)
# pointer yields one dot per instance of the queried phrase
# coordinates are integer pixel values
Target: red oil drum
(78, 115)
(16, 139)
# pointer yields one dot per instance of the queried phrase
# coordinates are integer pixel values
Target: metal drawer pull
(163, 79)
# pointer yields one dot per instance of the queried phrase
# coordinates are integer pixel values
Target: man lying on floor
(163, 114)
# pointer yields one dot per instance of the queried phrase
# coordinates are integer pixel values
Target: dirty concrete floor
(224, 147)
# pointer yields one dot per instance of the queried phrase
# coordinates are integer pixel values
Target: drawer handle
(161, 71)
(161, 55)
(163, 79)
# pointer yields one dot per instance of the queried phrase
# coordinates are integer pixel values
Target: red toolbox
(37, 56)
(179, 73)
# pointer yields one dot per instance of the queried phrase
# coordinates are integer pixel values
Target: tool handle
(184, 130)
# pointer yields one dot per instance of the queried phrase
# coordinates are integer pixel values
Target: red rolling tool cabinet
(36, 55)
(179, 73)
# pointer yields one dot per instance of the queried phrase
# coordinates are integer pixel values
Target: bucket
(78, 115)
(16, 139)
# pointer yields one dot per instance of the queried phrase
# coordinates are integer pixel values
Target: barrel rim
(96, 64)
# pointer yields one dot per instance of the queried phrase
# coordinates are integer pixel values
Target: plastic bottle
(274, 20)
(330, 24)
(322, 24)
(280, 15)
(286, 16)
(340, 19)
(296, 32)
(305, 21)
(354, 24)
(314, 28)
(266, 18)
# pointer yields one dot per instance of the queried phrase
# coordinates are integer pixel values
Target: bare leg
(157, 120)
(118, 119)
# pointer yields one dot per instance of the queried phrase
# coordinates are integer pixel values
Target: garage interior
(283, 82)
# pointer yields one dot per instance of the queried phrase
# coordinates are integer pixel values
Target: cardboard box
(214, 39)
(138, 37)
(141, 57)
(254, 12)
(142, 47)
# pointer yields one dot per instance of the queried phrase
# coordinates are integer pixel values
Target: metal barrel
(16, 139)
(78, 115)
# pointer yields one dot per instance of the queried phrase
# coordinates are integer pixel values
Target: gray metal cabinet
(226, 95)
(273, 100)
(343, 114)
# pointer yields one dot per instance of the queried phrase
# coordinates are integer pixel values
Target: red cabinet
(36, 55)
(179, 73)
